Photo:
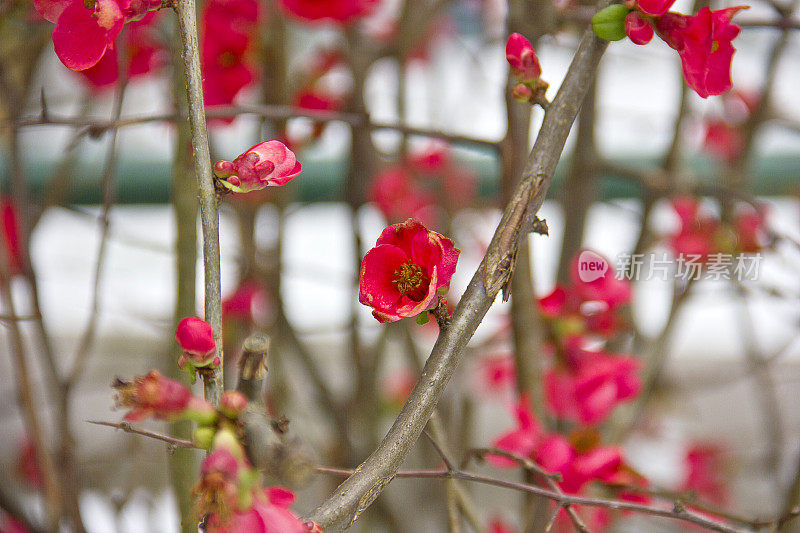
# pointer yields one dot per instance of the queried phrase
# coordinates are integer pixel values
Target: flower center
(411, 281)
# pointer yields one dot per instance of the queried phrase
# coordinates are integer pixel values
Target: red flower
(703, 42)
(398, 196)
(144, 54)
(267, 164)
(247, 303)
(704, 465)
(229, 31)
(196, 338)
(12, 236)
(750, 231)
(523, 440)
(696, 234)
(406, 270)
(606, 288)
(85, 31)
(153, 395)
(637, 28)
(499, 373)
(591, 384)
(655, 8)
(522, 58)
(341, 11)
(724, 140)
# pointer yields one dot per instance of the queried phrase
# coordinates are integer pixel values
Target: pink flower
(497, 525)
(704, 465)
(590, 385)
(11, 233)
(750, 231)
(521, 441)
(637, 28)
(196, 338)
(498, 373)
(696, 234)
(606, 288)
(599, 463)
(267, 164)
(153, 395)
(603, 383)
(398, 196)
(723, 140)
(247, 303)
(341, 11)
(522, 58)
(704, 43)
(406, 271)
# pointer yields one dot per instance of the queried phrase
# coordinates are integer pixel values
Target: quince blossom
(267, 164)
(403, 274)
(152, 395)
(704, 44)
(228, 38)
(85, 31)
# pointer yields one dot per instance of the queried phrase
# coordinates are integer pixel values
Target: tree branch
(209, 215)
(356, 493)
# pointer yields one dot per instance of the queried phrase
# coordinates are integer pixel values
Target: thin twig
(128, 428)
(674, 512)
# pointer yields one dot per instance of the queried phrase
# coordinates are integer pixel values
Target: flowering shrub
(296, 380)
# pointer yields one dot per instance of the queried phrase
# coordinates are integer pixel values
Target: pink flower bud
(233, 403)
(267, 164)
(196, 338)
(522, 58)
(521, 93)
(152, 395)
(638, 29)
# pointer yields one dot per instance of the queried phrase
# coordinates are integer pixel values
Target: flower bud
(200, 411)
(521, 93)
(233, 403)
(203, 437)
(637, 28)
(267, 164)
(196, 338)
(522, 58)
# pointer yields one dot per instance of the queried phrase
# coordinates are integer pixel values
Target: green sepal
(609, 23)
(423, 319)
